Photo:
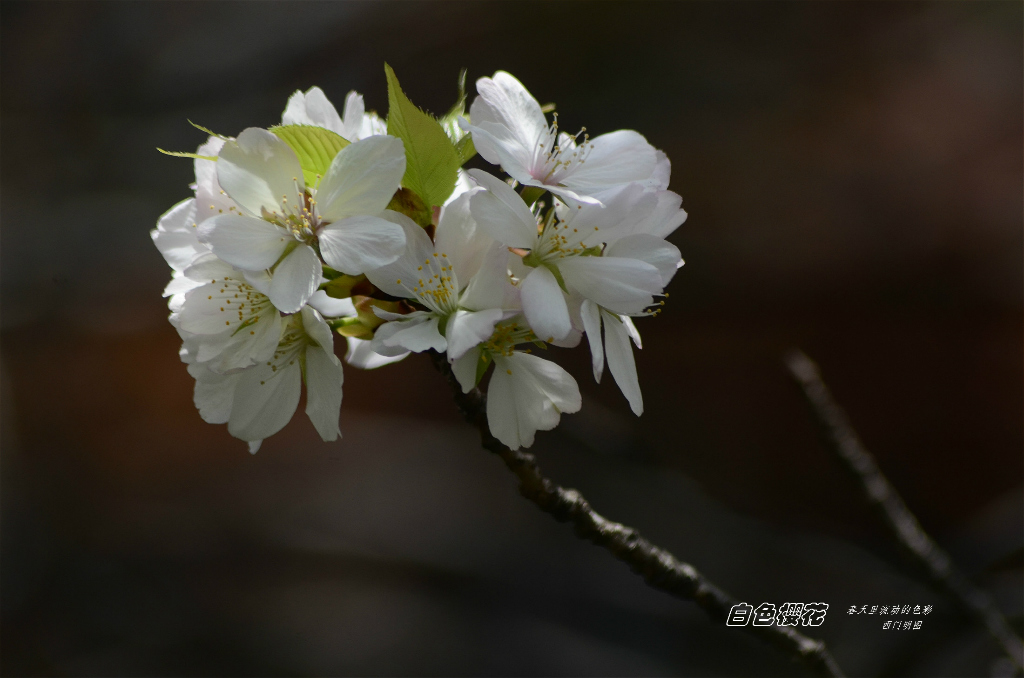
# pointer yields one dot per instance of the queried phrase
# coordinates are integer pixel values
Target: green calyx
(340, 286)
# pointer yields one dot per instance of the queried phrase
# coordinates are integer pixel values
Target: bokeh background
(853, 174)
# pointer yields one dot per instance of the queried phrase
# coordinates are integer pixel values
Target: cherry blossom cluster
(373, 230)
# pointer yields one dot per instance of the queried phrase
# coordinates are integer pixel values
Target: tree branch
(659, 568)
(843, 441)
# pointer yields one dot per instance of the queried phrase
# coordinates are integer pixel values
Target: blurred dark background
(853, 174)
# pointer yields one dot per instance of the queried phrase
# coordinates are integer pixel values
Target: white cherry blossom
(258, 401)
(279, 223)
(510, 129)
(526, 394)
(460, 279)
(226, 321)
(566, 255)
(314, 108)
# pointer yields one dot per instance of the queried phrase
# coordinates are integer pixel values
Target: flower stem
(659, 568)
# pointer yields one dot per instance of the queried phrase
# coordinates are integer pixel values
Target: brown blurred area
(853, 174)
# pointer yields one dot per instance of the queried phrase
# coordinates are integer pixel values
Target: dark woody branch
(659, 568)
(843, 441)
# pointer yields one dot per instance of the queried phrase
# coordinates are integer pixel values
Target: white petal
(295, 279)
(362, 178)
(407, 267)
(258, 170)
(466, 329)
(213, 393)
(208, 266)
(658, 181)
(544, 305)
(614, 158)
(419, 334)
(254, 446)
(264, 401)
(502, 414)
(359, 244)
(592, 324)
(656, 251)
(458, 237)
(620, 208)
(464, 369)
(323, 391)
(557, 385)
(175, 236)
(509, 104)
(619, 284)
(528, 394)
(246, 242)
(312, 108)
(388, 315)
(361, 355)
(569, 194)
(627, 322)
(317, 330)
(490, 287)
(211, 200)
(180, 284)
(330, 307)
(665, 218)
(499, 142)
(621, 362)
(501, 213)
(352, 116)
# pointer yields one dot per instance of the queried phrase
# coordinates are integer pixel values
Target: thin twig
(844, 442)
(659, 568)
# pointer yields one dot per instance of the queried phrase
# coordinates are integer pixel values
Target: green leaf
(203, 129)
(182, 154)
(315, 146)
(432, 162)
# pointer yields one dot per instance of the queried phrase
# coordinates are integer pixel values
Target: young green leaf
(203, 129)
(450, 123)
(182, 154)
(432, 162)
(315, 146)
